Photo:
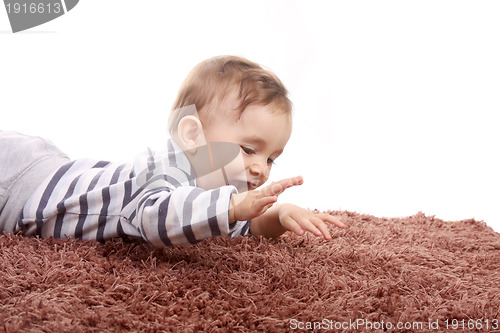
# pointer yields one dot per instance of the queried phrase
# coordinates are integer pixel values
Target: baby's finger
(331, 219)
(288, 223)
(265, 203)
(276, 188)
(322, 227)
(306, 224)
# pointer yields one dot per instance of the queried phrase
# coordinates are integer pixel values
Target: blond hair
(214, 79)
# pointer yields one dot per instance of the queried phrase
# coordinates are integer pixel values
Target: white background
(396, 102)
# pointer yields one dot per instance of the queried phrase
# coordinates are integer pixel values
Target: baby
(229, 123)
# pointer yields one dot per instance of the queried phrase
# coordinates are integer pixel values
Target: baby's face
(261, 135)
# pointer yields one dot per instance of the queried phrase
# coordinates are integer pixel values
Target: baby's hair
(214, 79)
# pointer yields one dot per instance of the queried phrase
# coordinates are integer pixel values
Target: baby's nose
(259, 171)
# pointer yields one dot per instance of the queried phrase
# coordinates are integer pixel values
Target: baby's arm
(287, 217)
(271, 221)
(251, 204)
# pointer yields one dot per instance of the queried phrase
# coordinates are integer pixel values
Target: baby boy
(229, 123)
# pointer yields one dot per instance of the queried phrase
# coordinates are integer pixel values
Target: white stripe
(199, 222)
(69, 225)
(222, 207)
(63, 2)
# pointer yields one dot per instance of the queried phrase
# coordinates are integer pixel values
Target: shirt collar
(177, 159)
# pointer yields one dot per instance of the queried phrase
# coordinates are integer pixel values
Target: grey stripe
(147, 194)
(162, 221)
(212, 213)
(246, 229)
(46, 195)
(187, 215)
(151, 164)
(84, 206)
(106, 197)
(172, 160)
(100, 164)
(148, 203)
(61, 209)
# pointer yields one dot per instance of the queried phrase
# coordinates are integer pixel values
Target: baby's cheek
(236, 169)
(268, 172)
(212, 180)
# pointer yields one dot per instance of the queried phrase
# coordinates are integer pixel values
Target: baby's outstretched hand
(299, 220)
(248, 205)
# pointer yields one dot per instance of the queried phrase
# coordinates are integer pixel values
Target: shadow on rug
(397, 275)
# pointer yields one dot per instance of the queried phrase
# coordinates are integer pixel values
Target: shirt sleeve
(239, 228)
(172, 210)
(169, 212)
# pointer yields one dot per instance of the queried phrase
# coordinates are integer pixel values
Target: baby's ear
(190, 133)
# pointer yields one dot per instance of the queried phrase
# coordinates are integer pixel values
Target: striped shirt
(154, 199)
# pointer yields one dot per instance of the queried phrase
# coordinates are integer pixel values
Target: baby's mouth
(252, 185)
(243, 186)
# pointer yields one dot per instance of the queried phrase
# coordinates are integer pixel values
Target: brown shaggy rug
(398, 275)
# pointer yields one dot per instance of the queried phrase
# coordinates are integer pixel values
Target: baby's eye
(248, 150)
(270, 161)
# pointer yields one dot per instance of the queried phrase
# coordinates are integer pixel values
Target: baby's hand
(298, 219)
(248, 205)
